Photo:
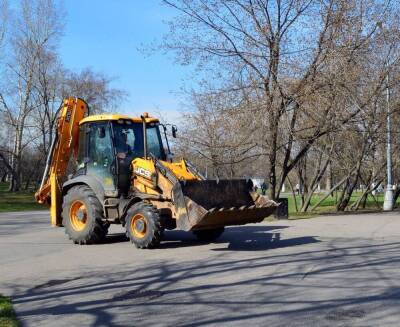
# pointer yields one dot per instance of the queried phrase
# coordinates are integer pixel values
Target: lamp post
(388, 202)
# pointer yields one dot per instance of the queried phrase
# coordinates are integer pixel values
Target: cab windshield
(128, 139)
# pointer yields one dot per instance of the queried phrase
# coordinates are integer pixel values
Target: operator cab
(107, 147)
(129, 140)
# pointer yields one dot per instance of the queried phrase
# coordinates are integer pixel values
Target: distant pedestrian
(297, 189)
(263, 188)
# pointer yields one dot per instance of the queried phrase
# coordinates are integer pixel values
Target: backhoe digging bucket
(210, 204)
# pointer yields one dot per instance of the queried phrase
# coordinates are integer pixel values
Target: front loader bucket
(211, 204)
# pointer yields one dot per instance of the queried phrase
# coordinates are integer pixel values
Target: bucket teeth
(221, 209)
(254, 206)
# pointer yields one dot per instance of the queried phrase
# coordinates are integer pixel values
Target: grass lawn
(19, 201)
(7, 313)
(24, 200)
(329, 204)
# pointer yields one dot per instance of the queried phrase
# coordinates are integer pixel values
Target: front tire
(208, 235)
(82, 216)
(144, 226)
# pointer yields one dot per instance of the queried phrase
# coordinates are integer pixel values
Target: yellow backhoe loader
(122, 175)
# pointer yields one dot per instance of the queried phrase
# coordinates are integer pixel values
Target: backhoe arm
(65, 144)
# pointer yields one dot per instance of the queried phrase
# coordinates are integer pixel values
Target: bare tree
(95, 88)
(35, 30)
(297, 62)
(4, 13)
(33, 84)
(216, 136)
(53, 83)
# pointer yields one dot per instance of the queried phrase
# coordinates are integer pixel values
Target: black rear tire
(89, 227)
(144, 226)
(208, 235)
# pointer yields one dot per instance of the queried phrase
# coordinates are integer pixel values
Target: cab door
(100, 161)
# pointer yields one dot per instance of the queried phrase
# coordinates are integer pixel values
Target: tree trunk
(328, 185)
(15, 186)
(12, 174)
(334, 188)
(347, 193)
(273, 191)
(396, 196)
(4, 176)
(27, 182)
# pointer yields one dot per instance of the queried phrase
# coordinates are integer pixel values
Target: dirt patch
(142, 295)
(55, 282)
(340, 315)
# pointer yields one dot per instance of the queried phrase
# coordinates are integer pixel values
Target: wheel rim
(139, 226)
(78, 215)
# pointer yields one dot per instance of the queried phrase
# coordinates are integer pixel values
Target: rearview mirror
(102, 132)
(174, 130)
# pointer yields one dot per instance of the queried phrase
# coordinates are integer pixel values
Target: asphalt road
(327, 271)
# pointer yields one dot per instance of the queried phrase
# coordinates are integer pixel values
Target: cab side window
(82, 146)
(100, 146)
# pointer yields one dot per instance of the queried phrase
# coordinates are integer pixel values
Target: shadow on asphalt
(115, 238)
(165, 289)
(243, 238)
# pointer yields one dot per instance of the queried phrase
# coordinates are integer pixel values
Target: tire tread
(156, 232)
(97, 229)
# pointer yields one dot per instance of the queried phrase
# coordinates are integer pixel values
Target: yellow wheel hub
(139, 226)
(78, 215)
